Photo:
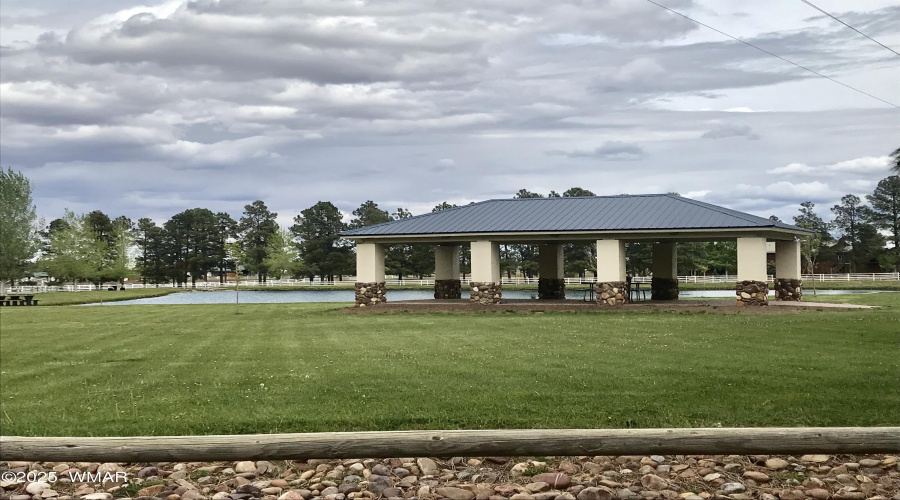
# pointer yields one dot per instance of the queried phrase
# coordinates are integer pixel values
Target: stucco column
(787, 271)
(551, 270)
(370, 289)
(446, 272)
(664, 266)
(752, 286)
(486, 287)
(610, 286)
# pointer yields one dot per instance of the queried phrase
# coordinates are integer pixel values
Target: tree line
(198, 242)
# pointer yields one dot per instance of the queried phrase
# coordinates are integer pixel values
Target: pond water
(276, 297)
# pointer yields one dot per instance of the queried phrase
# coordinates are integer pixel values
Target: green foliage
(18, 239)
(228, 229)
(885, 215)
(152, 261)
(281, 255)
(577, 191)
(534, 471)
(638, 258)
(75, 252)
(443, 206)
(255, 228)
(130, 489)
(524, 193)
(194, 245)
(368, 214)
(117, 265)
(851, 220)
(812, 246)
(323, 251)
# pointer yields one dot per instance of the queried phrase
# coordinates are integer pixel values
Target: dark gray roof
(593, 213)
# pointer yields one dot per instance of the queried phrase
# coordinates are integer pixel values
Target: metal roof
(590, 213)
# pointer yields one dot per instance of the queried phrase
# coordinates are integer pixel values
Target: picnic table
(636, 289)
(18, 300)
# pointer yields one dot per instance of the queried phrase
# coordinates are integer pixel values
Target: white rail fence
(212, 285)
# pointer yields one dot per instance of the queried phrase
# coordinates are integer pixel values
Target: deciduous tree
(76, 253)
(812, 246)
(281, 255)
(18, 239)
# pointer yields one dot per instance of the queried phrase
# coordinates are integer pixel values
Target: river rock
(759, 477)
(428, 467)
(732, 488)
(777, 464)
(454, 493)
(592, 493)
(37, 487)
(556, 480)
(244, 467)
(151, 491)
(654, 482)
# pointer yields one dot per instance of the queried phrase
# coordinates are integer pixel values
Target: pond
(277, 297)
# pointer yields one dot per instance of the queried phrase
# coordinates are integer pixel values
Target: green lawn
(202, 369)
(70, 298)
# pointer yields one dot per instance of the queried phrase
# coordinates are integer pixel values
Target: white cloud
(697, 194)
(868, 164)
(864, 165)
(792, 168)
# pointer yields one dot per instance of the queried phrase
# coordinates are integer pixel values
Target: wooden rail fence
(538, 442)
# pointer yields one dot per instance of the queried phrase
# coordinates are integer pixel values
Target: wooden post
(537, 442)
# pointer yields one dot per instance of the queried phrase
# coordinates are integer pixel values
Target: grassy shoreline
(76, 298)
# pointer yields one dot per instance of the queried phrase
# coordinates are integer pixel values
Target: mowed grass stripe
(128, 370)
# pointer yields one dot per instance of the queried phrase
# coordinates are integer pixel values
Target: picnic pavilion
(610, 221)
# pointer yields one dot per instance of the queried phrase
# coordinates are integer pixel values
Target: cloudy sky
(147, 109)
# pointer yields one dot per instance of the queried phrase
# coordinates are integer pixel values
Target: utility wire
(774, 55)
(851, 27)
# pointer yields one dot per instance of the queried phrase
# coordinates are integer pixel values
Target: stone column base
(551, 289)
(447, 289)
(486, 292)
(752, 293)
(370, 294)
(610, 293)
(663, 289)
(788, 289)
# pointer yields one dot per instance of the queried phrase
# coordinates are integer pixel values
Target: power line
(851, 27)
(774, 55)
